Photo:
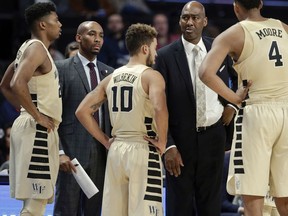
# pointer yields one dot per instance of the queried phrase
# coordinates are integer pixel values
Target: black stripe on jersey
(153, 157)
(238, 162)
(152, 149)
(153, 198)
(38, 176)
(40, 148)
(41, 135)
(154, 190)
(238, 154)
(239, 120)
(40, 151)
(238, 157)
(239, 171)
(34, 99)
(240, 112)
(148, 120)
(42, 143)
(40, 128)
(154, 181)
(153, 164)
(39, 167)
(156, 173)
(238, 136)
(238, 145)
(148, 127)
(151, 134)
(239, 128)
(39, 159)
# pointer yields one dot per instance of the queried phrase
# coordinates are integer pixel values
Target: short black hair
(137, 35)
(249, 4)
(37, 11)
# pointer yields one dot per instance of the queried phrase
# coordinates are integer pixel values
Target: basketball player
(258, 46)
(139, 116)
(33, 84)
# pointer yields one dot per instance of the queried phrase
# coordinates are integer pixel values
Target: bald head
(194, 4)
(84, 26)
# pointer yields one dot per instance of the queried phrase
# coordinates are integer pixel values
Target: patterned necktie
(200, 89)
(93, 77)
(94, 83)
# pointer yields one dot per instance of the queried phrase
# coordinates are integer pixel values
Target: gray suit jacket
(74, 138)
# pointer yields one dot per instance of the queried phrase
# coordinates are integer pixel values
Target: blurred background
(72, 12)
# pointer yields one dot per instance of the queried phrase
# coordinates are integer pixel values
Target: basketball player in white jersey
(259, 156)
(31, 84)
(139, 116)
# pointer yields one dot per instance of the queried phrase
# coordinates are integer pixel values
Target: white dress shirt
(214, 108)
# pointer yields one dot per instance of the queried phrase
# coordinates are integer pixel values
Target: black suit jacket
(172, 63)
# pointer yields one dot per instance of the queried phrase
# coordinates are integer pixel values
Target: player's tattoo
(97, 105)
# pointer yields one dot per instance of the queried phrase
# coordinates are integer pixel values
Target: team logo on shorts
(154, 210)
(38, 188)
(237, 183)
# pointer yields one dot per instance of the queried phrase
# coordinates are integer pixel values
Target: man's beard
(149, 63)
(95, 53)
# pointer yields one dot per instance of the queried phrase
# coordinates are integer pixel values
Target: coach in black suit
(194, 156)
(76, 142)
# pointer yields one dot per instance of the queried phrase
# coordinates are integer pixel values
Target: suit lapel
(182, 64)
(80, 70)
(103, 72)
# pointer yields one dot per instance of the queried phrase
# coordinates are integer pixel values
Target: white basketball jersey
(264, 60)
(130, 109)
(44, 89)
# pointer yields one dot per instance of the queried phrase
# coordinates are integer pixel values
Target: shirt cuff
(172, 146)
(236, 108)
(61, 152)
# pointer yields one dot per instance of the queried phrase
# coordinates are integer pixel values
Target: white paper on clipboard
(84, 181)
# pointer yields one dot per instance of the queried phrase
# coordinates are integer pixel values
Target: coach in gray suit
(76, 142)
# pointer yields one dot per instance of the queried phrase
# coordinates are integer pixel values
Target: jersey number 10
(125, 99)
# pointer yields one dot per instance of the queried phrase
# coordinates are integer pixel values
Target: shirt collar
(189, 46)
(84, 60)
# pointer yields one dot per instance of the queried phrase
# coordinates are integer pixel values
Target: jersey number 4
(274, 54)
(125, 98)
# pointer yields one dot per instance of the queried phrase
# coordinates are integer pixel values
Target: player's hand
(155, 141)
(173, 161)
(242, 92)
(227, 115)
(66, 165)
(109, 143)
(46, 122)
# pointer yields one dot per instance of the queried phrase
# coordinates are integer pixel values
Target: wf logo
(154, 210)
(38, 188)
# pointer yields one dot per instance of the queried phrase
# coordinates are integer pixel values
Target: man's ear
(205, 21)
(42, 25)
(261, 4)
(145, 49)
(78, 38)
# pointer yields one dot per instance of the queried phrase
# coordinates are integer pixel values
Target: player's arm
(157, 96)
(223, 45)
(5, 86)
(89, 105)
